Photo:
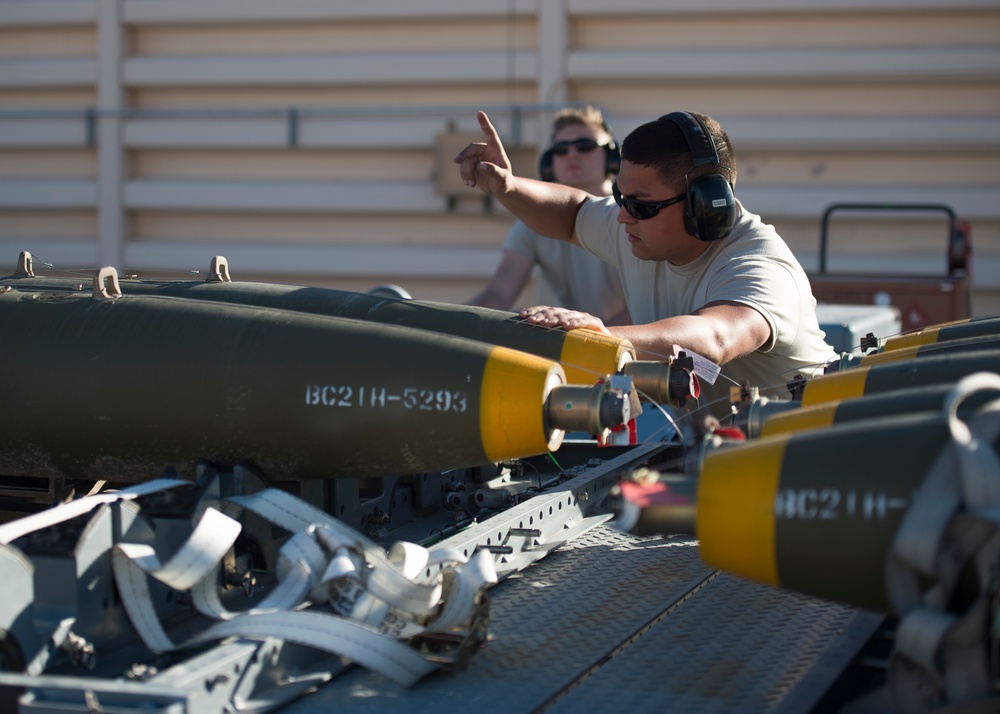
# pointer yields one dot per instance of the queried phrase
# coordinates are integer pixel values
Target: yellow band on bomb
(512, 404)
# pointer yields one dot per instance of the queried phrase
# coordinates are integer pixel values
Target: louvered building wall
(309, 141)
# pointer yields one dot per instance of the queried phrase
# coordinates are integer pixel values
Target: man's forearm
(548, 209)
(723, 334)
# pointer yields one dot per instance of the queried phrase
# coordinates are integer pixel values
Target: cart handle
(825, 221)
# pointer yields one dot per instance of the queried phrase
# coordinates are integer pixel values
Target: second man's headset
(612, 158)
(710, 211)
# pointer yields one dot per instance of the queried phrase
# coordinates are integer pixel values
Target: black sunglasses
(643, 210)
(561, 148)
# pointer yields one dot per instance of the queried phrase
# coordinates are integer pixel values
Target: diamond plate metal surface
(613, 622)
(734, 646)
(549, 624)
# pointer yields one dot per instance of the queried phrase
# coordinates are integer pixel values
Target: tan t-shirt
(571, 277)
(752, 266)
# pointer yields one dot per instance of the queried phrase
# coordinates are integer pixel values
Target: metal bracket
(23, 269)
(218, 271)
(106, 285)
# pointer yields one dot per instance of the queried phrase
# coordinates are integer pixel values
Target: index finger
(478, 149)
(489, 132)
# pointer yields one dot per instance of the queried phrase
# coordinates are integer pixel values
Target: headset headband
(698, 138)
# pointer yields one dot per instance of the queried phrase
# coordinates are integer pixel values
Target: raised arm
(547, 208)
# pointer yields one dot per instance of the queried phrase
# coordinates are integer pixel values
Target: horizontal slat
(50, 253)
(281, 259)
(341, 260)
(451, 67)
(219, 133)
(43, 133)
(48, 73)
(65, 194)
(22, 13)
(783, 133)
(48, 13)
(383, 133)
(258, 11)
(352, 69)
(985, 269)
(774, 202)
(810, 64)
(895, 133)
(379, 197)
(700, 7)
(747, 133)
(255, 130)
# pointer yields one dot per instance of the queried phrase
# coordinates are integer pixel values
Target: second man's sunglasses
(561, 148)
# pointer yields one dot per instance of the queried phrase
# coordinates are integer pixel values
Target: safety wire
(649, 401)
(778, 381)
(88, 273)
(782, 379)
(928, 350)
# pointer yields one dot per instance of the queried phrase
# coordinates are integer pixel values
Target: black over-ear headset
(612, 158)
(710, 211)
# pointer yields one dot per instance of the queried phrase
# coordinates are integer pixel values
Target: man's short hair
(661, 145)
(589, 116)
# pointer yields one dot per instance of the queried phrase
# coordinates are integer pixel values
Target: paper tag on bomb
(706, 369)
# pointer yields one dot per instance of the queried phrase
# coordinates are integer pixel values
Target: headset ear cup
(613, 158)
(545, 167)
(710, 212)
(690, 222)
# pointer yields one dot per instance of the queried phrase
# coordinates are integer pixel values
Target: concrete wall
(310, 142)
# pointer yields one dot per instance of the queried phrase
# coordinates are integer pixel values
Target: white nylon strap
(355, 641)
(390, 596)
(300, 561)
(958, 503)
(935, 502)
(386, 581)
(133, 587)
(398, 580)
(13, 530)
(917, 544)
(967, 666)
(400, 592)
(288, 512)
(919, 636)
(460, 585)
(980, 465)
(195, 561)
(341, 565)
(459, 605)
